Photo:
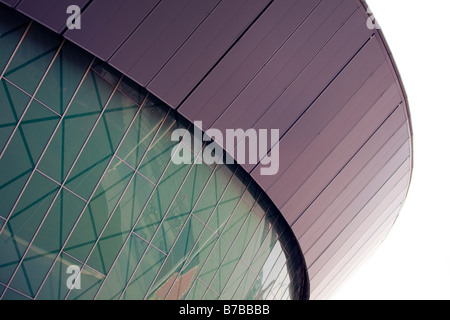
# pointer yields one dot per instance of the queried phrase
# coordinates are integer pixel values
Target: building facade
(93, 205)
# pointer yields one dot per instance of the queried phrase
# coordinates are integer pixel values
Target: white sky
(414, 261)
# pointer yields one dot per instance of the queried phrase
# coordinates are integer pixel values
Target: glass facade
(87, 181)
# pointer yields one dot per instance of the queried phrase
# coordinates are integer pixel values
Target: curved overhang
(319, 71)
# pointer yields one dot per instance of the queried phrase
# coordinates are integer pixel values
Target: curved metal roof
(313, 69)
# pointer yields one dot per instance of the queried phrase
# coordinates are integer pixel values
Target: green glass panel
(33, 57)
(159, 153)
(97, 213)
(38, 119)
(12, 104)
(48, 242)
(161, 199)
(235, 279)
(245, 230)
(12, 250)
(31, 208)
(183, 277)
(121, 224)
(90, 282)
(200, 253)
(182, 206)
(229, 201)
(101, 145)
(23, 152)
(214, 190)
(144, 275)
(210, 295)
(75, 127)
(13, 295)
(12, 27)
(63, 78)
(141, 133)
(55, 286)
(197, 291)
(123, 268)
(2, 288)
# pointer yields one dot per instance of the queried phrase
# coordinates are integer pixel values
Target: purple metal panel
(328, 230)
(379, 91)
(245, 59)
(108, 23)
(11, 3)
(51, 13)
(359, 227)
(204, 48)
(301, 52)
(335, 173)
(352, 257)
(159, 37)
(322, 111)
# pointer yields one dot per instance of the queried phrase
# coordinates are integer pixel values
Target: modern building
(92, 205)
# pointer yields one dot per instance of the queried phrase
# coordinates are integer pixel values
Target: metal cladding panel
(310, 68)
(319, 243)
(51, 13)
(301, 69)
(159, 36)
(351, 258)
(335, 179)
(392, 194)
(108, 23)
(378, 90)
(265, 37)
(186, 68)
(356, 193)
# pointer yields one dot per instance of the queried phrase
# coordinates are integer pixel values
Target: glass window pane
(55, 285)
(123, 268)
(214, 190)
(145, 274)
(31, 208)
(101, 145)
(161, 199)
(48, 243)
(75, 127)
(12, 103)
(96, 215)
(90, 281)
(33, 57)
(64, 77)
(13, 295)
(121, 223)
(141, 133)
(229, 201)
(182, 207)
(159, 154)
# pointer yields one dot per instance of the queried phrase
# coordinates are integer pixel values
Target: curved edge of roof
(389, 55)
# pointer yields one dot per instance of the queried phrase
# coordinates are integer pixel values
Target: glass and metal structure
(86, 180)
